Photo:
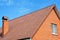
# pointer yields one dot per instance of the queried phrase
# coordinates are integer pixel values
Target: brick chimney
(5, 25)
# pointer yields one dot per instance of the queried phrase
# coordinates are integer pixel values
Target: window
(54, 29)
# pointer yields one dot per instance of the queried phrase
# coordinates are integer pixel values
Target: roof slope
(26, 26)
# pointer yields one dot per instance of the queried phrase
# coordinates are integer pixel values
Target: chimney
(5, 25)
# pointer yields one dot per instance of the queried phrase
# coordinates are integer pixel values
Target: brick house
(42, 24)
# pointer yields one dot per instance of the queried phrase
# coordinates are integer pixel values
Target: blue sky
(16, 8)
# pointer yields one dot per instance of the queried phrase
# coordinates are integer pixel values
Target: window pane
(54, 29)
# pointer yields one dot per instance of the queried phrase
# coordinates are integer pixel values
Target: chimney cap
(5, 18)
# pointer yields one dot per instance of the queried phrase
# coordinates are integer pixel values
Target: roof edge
(34, 11)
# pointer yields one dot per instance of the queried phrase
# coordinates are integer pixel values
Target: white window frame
(54, 29)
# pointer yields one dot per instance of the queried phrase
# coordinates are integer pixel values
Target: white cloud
(24, 10)
(9, 2)
(27, 3)
(3, 0)
(15, 2)
(6, 2)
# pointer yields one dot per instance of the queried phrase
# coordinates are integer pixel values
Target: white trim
(54, 33)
